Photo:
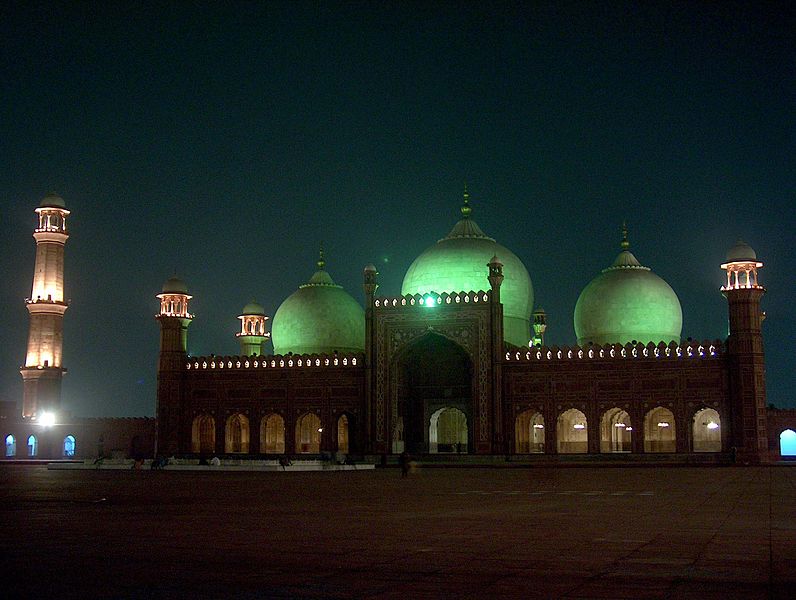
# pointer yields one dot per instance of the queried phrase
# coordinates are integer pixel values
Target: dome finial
(321, 262)
(466, 210)
(625, 244)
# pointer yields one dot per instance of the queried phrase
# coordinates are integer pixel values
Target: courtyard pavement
(440, 533)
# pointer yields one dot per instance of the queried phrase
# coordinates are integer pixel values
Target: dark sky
(226, 140)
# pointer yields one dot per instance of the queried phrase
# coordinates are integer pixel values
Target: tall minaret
(43, 372)
(745, 353)
(252, 334)
(174, 320)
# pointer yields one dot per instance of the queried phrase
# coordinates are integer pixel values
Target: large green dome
(319, 318)
(458, 263)
(627, 302)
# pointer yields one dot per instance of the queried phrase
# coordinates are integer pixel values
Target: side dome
(52, 200)
(319, 318)
(458, 263)
(627, 302)
(253, 308)
(174, 285)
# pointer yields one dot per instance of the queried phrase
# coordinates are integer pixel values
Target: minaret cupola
(174, 299)
(741, 267)
(252, 333)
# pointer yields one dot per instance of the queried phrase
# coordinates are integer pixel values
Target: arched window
(237, 434)
(308, 434)
(33, 445)
(447, 431)
(659, 431)
(707, 431)
(11, 445)
(572, 432)
(203, 434)
(615, 431)
(529, 432)
(69, 445)
(787, 443)
(272, 434)
(342, 434)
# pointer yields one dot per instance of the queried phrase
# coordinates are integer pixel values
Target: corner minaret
(745, 352)
(252, 335)
(174, 320)
(42, 372)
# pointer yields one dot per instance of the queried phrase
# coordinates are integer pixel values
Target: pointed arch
(69, 446)
(706, 430)
(308, 433)
(272, 434)
(787, 443)
(11, 445)
(33, 446)
(237, 434)
(447, 431)
(529, 432)
(615, 431)
(660, 432)
(572, 432)
(203, 434)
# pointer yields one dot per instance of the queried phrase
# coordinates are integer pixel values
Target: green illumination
(430, 301)
(625, 303)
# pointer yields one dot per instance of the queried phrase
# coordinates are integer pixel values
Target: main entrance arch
(434, 379)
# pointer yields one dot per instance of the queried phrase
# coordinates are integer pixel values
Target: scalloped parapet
(276, 361)
(661, 351)
(432, 299)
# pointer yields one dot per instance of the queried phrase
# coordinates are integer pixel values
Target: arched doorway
(272, 434)
(203, 434)
(615, 431)
(707, 431)
(33, 446)
(787, 443)
(308, 434)
(529, 432)
(447, 431)
(433, 374)
(342, 434)
(237, 434)
(659, 431)
(11, 445)
(69, 446)
(572, 432)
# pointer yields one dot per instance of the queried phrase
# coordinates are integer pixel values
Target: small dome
(627, 302)
(174, 285)
(319, 318)
(253, 308)
(370, 268)
(458, 263)
(741, 252)
(52, 200)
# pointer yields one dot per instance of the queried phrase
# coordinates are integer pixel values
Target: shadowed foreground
(451, 533)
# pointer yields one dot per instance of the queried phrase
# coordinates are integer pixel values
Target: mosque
(456, 365)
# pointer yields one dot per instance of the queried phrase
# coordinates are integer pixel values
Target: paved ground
(441, 533)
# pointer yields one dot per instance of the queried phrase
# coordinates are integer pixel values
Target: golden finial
(321, 262)
(625, 244)
(466, 210)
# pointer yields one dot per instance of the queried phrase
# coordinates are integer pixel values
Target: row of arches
(237, 434)
(616, 431)
(68, 447)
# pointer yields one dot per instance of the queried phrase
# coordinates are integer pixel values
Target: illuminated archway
(33, 446)
(342, 434)
(447, 431)
(308, 434)
(69, 445)
(529, 432)
(615, 431)
(659, 431)
(707, 431)
(272, 434)
(572, 432)
(203, 434)
(237, 434)
(787, 443)
(11, 445)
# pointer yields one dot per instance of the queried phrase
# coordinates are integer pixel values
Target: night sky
(227, 140)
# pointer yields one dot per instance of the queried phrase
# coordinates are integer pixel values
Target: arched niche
(447, 431)
(529, 432)
(572, 432)
(272, 434)
(237, 434)
(308, 434)
(616, 431)
(660, 433)
(203, 434)
(706, 431)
